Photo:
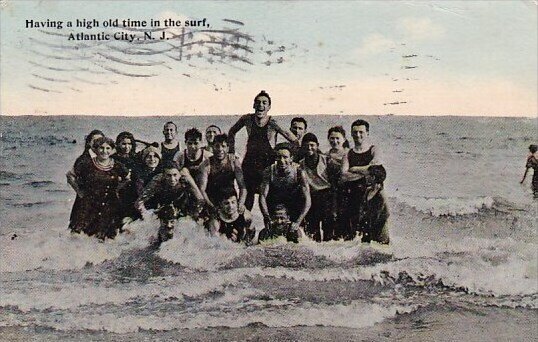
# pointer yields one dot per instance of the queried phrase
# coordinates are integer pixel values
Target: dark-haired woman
(99, 179)
(71, 176)
(126, 155)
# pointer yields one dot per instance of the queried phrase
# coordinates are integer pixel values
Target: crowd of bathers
(301, 190)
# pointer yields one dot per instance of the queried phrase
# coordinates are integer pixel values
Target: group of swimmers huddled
(327, 196)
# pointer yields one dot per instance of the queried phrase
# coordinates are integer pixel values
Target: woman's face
(125, 146)
(152, 160)
(336, 140)
(104, 151)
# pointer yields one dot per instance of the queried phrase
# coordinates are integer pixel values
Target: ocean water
(463, 246)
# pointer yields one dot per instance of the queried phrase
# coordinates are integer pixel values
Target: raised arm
(285, 133)
(233, 131)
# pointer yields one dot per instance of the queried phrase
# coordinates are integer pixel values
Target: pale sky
(312, 57)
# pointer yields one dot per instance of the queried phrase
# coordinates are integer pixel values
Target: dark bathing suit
(168, 153)
(285, 190)
(220, 177)
(240, 225)
(258, 157)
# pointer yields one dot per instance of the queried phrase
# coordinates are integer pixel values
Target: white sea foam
(192, 247)
(57, 249)
(450, 206)
(356, 314)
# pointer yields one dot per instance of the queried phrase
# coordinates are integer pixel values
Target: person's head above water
(533, 148)
(126, 144)
(91, 137)
(279, 215)
(298, 127)
(227, 201)
(211, 132)
(169, 131)
(359, 131)
(262, 104)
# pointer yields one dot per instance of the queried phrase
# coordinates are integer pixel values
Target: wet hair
(167, 212)
(300, 119)
(533, 148)
(170, 123)
(213, 126)
(170, 164)
(263, 93)
(361, 122)
(221, 138)
(103, 140)
(341, 130)
(89, 138)
(127, 135)
(378, 173)
(193, 134)
(279, 207)
(282, 146)
(225, 193)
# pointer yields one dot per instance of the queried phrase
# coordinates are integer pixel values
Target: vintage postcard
(268, 170)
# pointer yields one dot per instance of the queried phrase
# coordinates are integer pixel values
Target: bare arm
(346, 174)
(204, 175)
(233, 131)
(186, 176)
(286, 134)
(524, 175)
(305, 189)
(214, 226)
(264, 191)
(240, 181)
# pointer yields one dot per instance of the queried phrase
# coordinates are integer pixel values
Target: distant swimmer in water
(228, 221)
(174, 186)
(355, 170)
(262, 133)
(222, 171)
(280, 225)
(167, 217)
(284, 182)
(194, 157)
(171, 145)
(99, 179)
(210, 133)
(532, 163)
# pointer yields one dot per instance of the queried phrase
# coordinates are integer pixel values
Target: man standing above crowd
(262, 132)
(171, 145)
(284, 183)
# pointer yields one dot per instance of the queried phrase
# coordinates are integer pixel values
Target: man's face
(170, 132)
(283, 159)
(172, 177)
(210, 134)
(336, 139)
(311, 148)
(298, 128)
(169, 224)
(220, 150)
(359, 133)
(280, 217)
(193, 145)
(229, 206)
(125, 146)
(152, 160)
(104, 151)
(261, 106)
